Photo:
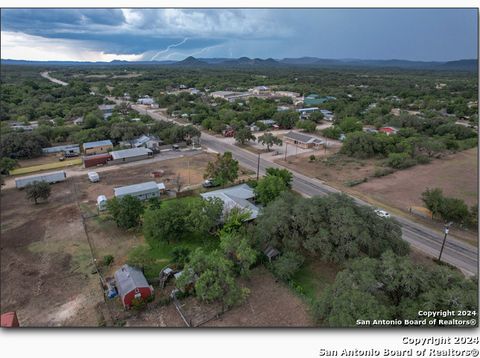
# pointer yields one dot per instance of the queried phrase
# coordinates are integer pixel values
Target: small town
(200, 190)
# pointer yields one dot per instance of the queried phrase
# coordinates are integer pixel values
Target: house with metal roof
(97, 147)
(146, 100)
(106, 109)
(239, 196)
(146, 141)
(302, 140)
(130, 155)
(142, 191)
(131, 285)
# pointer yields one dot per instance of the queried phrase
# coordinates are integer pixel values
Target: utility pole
(258, 166)
(286, 148)
(445, 230)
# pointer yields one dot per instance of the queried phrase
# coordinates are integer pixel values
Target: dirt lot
(333, 169)
(456, 175)
(45, 261)
(270, 304)
(45, 257)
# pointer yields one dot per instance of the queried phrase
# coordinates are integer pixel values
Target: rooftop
(235, 197)
(300, 137)
(98, 143)
(140, 188)
(128, 278)
(129, 153)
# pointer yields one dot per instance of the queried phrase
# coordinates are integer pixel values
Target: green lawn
(314, 276)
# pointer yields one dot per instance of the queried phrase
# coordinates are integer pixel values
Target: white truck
(52, 177)
(93, 177)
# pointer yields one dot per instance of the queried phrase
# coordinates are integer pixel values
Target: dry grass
(48, 166)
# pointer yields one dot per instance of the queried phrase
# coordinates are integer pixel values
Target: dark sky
(161, 34)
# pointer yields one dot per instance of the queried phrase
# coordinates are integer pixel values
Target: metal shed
(142, 191)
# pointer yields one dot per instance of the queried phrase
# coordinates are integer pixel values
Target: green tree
(285, 174)
(237, 248)
(224, 170)
(234, 220)
(350, 124)
(286, 265)
(433, 200)
(214, 278)
(269, 188)
(333, 132)
(269, 139)
(38, 190)
(286, 119)
(454, 210)
(306, 125)
(243, 135)
(7, 164)
(126, 211)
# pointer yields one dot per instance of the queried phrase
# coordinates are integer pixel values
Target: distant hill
(191, 62)
(461, 65)
(470, 65)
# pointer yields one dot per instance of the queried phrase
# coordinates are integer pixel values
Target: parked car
(209, 183)
(382, 213)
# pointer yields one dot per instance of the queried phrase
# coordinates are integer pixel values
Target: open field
(330, 167)
(46, 267)
(456, 175)
(47, 166)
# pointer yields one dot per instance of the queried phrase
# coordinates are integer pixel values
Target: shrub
(381, 172)
(107, 260)
(423, 159)
(311, 158)
(400, 161)
(180, 255)
(354, 182)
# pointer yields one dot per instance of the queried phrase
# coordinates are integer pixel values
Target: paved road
(54, 80)
(428, 241)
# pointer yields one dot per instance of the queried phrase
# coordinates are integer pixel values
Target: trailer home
(142, 191)
(52, 177)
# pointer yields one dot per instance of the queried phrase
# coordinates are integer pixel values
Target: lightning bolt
(168, 48)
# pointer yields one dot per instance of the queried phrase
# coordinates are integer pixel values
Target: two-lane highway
(429, 241)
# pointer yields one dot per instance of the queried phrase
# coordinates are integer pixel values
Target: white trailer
(93, 177)
(102, 202)
(52, 177)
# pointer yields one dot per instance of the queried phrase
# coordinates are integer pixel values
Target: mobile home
(52, 177)
(142, 191)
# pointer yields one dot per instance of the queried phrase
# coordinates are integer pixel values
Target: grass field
(42, 167)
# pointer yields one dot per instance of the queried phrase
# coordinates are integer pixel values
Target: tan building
(98, 147)
(302, 140)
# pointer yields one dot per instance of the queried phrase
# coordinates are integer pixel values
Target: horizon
(144, 35)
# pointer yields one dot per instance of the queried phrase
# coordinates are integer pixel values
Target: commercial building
(147, 100)
(302, 140)
(130, 155)
(142, 191)
(101, 146)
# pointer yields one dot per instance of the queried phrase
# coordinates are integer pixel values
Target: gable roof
(128, 278)
(303, 138)
(235, 197)
(98, 143)
(137, 189)
(129, 153)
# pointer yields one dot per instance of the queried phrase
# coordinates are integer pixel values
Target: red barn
(131, 284)
(9, 320)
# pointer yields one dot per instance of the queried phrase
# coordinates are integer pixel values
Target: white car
(382, 213)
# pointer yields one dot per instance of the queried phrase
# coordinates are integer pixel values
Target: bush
(356, 181)
(381, 172)
(400, 161)
(423, 159)
(332, 132)
(107, 260)
(311, 158)
(180, 255)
